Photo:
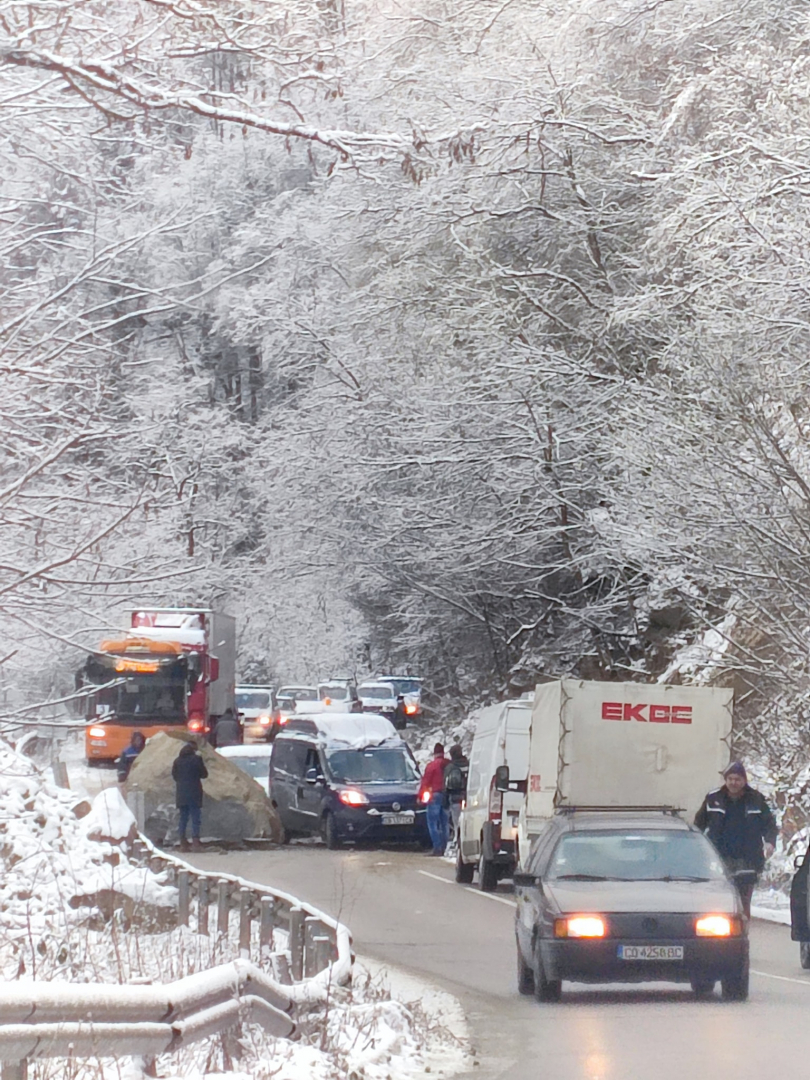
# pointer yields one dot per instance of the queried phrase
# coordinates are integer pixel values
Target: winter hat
(737, 768)
(438, 749)
(456, 751)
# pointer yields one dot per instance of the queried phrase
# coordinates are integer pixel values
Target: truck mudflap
(494, 849)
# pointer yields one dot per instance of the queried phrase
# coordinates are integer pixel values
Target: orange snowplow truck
(174, 668)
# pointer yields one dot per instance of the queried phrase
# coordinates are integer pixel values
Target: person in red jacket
(431, 791)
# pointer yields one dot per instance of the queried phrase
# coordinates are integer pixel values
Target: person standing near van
(431, 791)
(455, 785)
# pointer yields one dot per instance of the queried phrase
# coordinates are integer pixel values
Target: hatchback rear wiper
(580, 877)
(679, 877)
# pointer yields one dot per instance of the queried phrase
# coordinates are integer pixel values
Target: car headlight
(353, 797)
(718, 926)
(579, 926)
(264, 721)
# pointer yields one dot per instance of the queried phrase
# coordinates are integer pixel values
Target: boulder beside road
(234, 805)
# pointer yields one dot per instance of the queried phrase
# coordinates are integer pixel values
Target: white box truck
(609, 744)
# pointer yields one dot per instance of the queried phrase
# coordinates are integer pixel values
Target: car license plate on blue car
(651, 952)
(397, 819)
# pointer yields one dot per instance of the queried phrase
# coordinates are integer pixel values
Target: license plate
(397, 819)
(651, 952)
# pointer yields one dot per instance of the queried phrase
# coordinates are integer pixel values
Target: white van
(487, 828)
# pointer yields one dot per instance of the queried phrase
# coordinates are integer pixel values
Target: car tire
(735, 986)
(330, 833)
(465, 872)
(487, 875)
(545, 990)
(804, 954)
(525, 975)
(702, 987)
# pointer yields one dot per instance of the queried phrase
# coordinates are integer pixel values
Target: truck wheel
(464, 871)
(735, 986)
(544, 989)
(330, 833)
(804, 954)
(487, 875)
(525, 975)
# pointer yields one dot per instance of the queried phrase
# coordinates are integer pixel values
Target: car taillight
(410, 709)
(426, 796)
(195, 725)
(265, 720)
(579, 926)
(327, 701)
(97, 733)
(718, 926)
(352, 797)
(283, 719)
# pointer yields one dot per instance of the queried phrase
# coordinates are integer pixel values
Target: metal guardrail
(89, 1020)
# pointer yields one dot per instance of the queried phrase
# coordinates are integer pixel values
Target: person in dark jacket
(188, 773)
(228, 730)
(400, 713)
(455, 785)
(124, 763)
(740, 824)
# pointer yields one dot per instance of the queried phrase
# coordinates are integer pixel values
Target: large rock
(234, 806)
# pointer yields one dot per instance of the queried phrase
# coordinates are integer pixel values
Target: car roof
(252, 686)
(297, 686)
(357, 730)
(376, 682)
(582, 820)
(251, 750)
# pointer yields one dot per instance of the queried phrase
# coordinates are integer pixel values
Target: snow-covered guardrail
(89, 1020)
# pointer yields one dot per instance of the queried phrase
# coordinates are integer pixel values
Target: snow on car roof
(349, 729)
(250, 750)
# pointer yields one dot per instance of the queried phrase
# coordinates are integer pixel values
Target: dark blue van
(346, 777)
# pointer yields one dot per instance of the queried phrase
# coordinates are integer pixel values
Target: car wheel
(702, 987)
(804, 954)
(735, 986)
(525, 975)
(487, 875)
(330, 833)
(464, 871)
(544, 989)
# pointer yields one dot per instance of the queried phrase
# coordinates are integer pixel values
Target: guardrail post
(60, 774)
(245, 913)
(202, 905)
(183, 897)
(267, 907)
(223, 906)
(136, 801)
(322, 947)
(297, 943)
(14, 1070)
(311, 927)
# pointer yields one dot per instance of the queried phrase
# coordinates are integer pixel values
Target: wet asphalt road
(404, 908)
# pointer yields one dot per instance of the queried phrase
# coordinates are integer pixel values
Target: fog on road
(406, 910)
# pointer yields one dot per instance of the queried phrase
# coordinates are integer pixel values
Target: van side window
(298, 757)
(280, 761)
(312, 761)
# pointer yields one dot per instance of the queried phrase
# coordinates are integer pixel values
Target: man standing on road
(188, 773)
(455, 785)
(400, 713)
(431, 791)
(740, 824)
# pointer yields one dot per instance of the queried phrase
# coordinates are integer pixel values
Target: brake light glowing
(352, 797)
(195, 725)
(265, 720)
(579, 926)
(717, 926)
(410, 709)
(283, 718)
(97, 733)
(426, 796)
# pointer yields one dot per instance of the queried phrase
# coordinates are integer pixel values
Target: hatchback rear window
(640, 855)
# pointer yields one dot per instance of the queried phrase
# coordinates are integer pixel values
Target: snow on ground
(53, 863)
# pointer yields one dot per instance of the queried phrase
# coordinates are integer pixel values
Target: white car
(378, 697)
(255, 707)
(253, 760)
(411, 689)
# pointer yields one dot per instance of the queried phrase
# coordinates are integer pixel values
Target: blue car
(346, 777)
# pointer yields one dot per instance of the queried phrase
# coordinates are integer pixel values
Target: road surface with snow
(405, 909)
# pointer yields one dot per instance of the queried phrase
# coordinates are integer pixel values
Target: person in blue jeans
(188, 773)
(431, 791)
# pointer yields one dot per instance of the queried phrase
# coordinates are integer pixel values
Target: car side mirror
(502, 778)
(525, 881)
(745, 877)
(312, 776)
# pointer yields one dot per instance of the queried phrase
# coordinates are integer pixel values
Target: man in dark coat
(455, 785)
(400, 713)
(124, 763)
(740, 824)
(188, 773)
(228, 730)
